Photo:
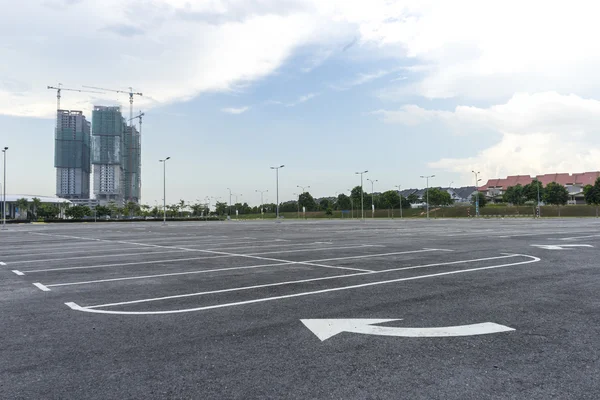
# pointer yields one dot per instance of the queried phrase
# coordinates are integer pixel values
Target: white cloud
(302, 99)
(175, 49)
(234, 110)
(540, 133)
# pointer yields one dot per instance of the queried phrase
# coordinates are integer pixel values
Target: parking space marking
(579, 237)
(16, 271)
(43, 288)
(75, 306)
(98, 256)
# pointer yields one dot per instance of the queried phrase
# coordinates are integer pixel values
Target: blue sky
(327, 88)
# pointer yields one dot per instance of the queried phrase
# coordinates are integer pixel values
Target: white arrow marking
(326, 328)
(559, 247)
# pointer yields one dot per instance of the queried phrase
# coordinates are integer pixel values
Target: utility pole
(362, 195)
(476, 193)
(372, 197)
(4, 191)
(164, 189)
(400, 194)
(277, 185)
(427, 178)
(229, 212)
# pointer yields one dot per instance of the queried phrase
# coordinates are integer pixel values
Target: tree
(556, 194)
(22, 205)
(36, 203)
(515, 195)
(530, 191)
(329, 211)
(306, 200)
(48, 211)
(438, 197)
(220, 208)
(389, 199)
(324, 204)
(343, 202)
(413, 198)
(591, 194)
(78, 212)
(482, 199)
(131, 208)
(102, 211)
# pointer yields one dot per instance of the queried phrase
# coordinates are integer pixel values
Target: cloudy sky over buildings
(326, 87)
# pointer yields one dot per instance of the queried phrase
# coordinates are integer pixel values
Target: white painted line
(300, 281)
(2, 263)
(30, 252)
(76, 307)
(41, 287)
(579, 237)
(16, 271)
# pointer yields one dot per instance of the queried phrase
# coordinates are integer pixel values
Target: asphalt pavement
(331, 309)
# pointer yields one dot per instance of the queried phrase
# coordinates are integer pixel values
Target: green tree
(530, 191)
(220, 208)
(78, 212)
(23, 205)
(556, 194)
(36, 203)
(591, 194)
(102, 211)
(515, 195)
(131, 208)
(343, 202)
(48, 211)
(482, 199)
(438, 197)
(324, 204)
(389, 199)
(329, 211)
(306, 200)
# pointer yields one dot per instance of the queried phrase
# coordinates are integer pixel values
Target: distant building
(459, 195)
(72, 155)
(495, 188)
(131, 165)
(108, 127)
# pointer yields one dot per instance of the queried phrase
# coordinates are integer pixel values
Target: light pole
(236, 202)
(538, 198)
(351, 204)
(261, 201)
(298, 203)
(372, 197)
(4, 191)
(362, 195)
(476, 193)
(400, 194)
(164, 189)
(427, 191)
(229, 213)
(277, 185)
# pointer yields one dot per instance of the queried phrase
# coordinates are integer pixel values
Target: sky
(325, 87)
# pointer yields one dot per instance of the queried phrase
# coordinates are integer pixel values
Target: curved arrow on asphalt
(326, 328)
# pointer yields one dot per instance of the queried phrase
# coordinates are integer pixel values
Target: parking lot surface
(383, 309)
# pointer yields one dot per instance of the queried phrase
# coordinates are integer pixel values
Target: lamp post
(362, 195)
(351, 204)
(400, 194)
(476, 193)
(372, 197)
(277, 185)
(229, 212)
(427, 191)
(164, 189)
(261, 202)
(236, 202)
(539, 214)
(4, 191)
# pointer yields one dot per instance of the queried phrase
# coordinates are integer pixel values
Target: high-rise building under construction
(72, 155)
(115, 157)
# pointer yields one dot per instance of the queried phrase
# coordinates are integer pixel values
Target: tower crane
(60, 88)
(131, 93)
(139, 116)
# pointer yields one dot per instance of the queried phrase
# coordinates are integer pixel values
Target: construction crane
(60, 88)
(131, 93)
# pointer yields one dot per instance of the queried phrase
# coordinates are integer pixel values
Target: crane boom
(60, 88)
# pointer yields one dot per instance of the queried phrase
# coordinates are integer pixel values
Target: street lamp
(298, 203)
(476, 193)
(372, 197)
(362, 195)
(351, 203)
(4, 191)
(164, 189)
(229, 213)
(427, 177)
(261, 201)
(277, 185)
(400, 194)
